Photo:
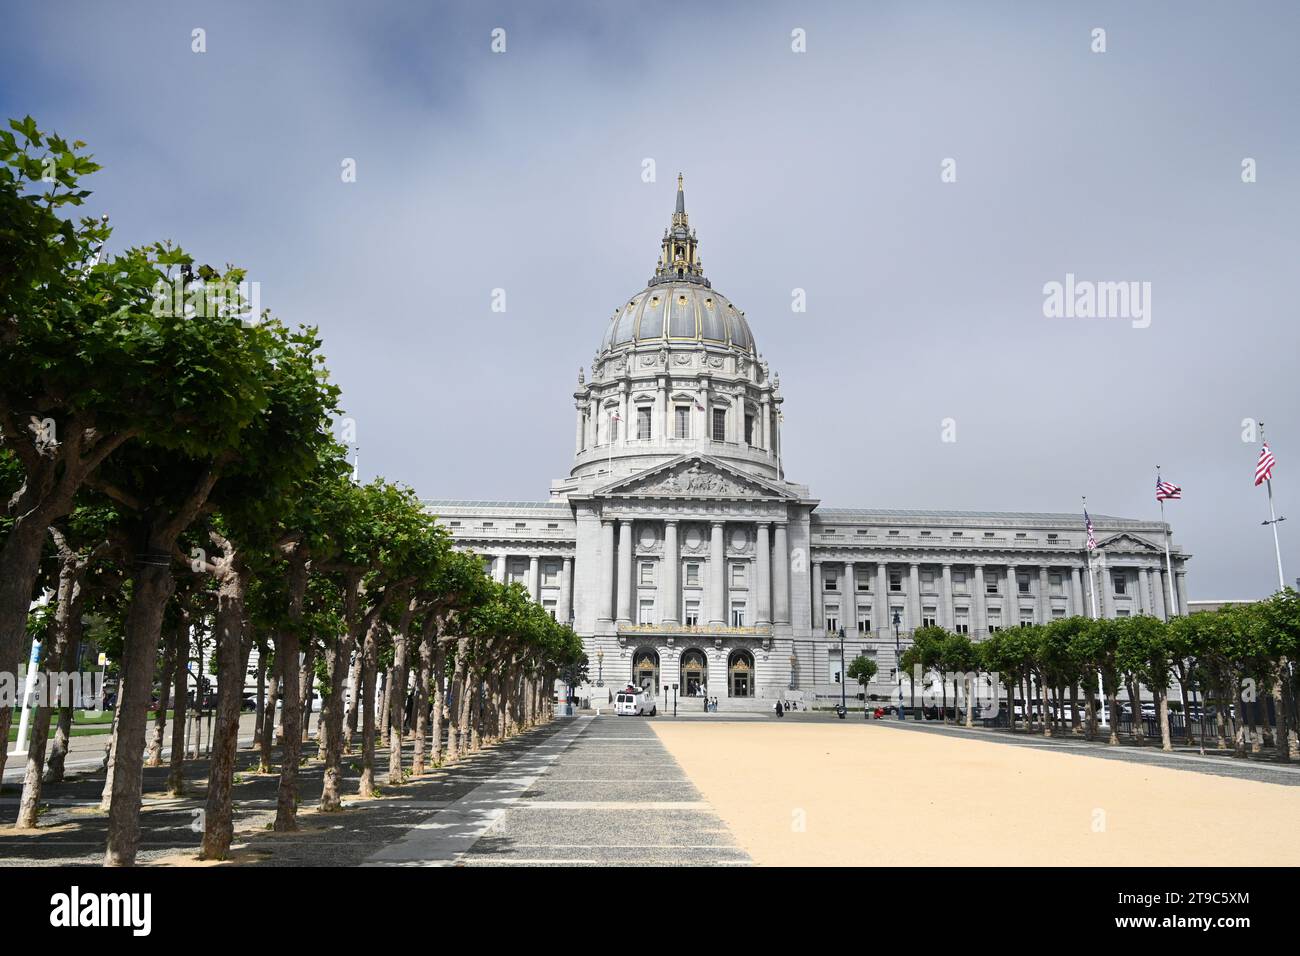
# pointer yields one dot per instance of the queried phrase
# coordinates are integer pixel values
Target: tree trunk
(422, 675)
(1112, 701)
(354, 684)
(306, 686)
(110, 749)
(1162, 710)
(259, 700)
(286, 652)
(337, 653)
(180, 693)
(436, 679)
(267, 740)
(1090, 702)
(369, 677)
(19, 562)
(397, 699)
(1281, 738)
(233, 643)
(152, 587)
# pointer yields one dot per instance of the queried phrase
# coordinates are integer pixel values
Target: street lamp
(674, 700)
(898, 666)
(843, 700)
(600, 668)
(793, 661)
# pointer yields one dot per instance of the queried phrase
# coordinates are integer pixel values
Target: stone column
(1076, 594)
(764, 582)
(664, 428)
(914, 596)
(534, 577)
(1180, 577)
(977, 604)
(1144, 590)
(1011, 600)
(849, 603)
(945, 599)
(564, 606)
(738, 417)
(705, 430)
(818, 598)
(578, 431)
(765, 423)
(499, 568)
(1107, 592)
(625, 586)
(672, 592)
(1158, 594)
(781, 575)
(717, 574)
(880, 600)
(593, 421)
(1044, 595)
(605, 598)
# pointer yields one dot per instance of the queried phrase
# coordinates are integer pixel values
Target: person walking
(780, 712)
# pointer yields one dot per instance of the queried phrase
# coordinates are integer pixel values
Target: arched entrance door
(740, 674)
(645, 670)
(695, 673)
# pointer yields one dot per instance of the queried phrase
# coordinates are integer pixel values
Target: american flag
(1166, 490)
(1092, 538)
(1264, 467)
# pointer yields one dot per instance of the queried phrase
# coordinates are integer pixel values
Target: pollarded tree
(863, 670)
(960, 659)
(1143, 651)
(1281, 615)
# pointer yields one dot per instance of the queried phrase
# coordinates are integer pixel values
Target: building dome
(678, 306)
(672, 314)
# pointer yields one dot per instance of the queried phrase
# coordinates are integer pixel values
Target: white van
(632, 702)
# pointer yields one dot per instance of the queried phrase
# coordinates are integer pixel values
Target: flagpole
(1169, 565)
(1092, 582)
(1272, 519)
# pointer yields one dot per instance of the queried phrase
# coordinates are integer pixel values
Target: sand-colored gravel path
(805, 794)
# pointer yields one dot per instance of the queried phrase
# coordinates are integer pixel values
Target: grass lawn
(84, 723)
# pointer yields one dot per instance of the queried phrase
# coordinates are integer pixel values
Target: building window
(645, 611)
(1058, 613)
(692, 613)
(864, 582)
(1121, 584)
(521, 524)
(1052, 537)
(519, 572)
(647, 573)
(549, 608)
(925, 534)
(961, 622)
(1022, 582)
(929, 617)
(959, 582)
(682, 417)
(900, 613)
(719, 424)
(995, 620)
(864, 619)
(1122, 612)
(737, 613)
(1054, 582)
(832, 619)
(553, 525)
(643, 424)
(927, 580)
(749, 429)
(550, 574)
(692, 575)
(487, 524)
(988, 534)
(895, 579)
(832, 580)
(990, 586)
(893, 534)
(738, 575)
(1026, 617)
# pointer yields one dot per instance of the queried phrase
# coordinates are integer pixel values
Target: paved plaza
(806, 790)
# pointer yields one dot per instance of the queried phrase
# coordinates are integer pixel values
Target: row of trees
(168, 466)
(1231, 661)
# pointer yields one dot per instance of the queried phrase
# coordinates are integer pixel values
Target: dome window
(681, 300)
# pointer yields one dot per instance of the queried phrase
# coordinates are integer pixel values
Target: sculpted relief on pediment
(694, 479)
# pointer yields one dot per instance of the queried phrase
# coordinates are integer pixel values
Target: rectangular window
(894, 534)
(454, 524)
(643, 424)
(549, 608)
(552, 525)
(929, 617)
(864, 582)
(1057, 613)
(1121, 584)
(895, 580)
(647, 573)
(1054, 582)
(692, 575)
(864, 619)
(645, 611)
(519, 572)
(832, 580)
(961, 620)
(1022, 581)
(898, 612)
(1026, 617)
(737, 613)
(927, 580)
(749, 429)
(682, 417)
(1122, 612)
(738, 575)
(959, 582)
(995, 620)
(692, 613)
(719, 424)
(990, 586)
(550, 574)
(832, 620)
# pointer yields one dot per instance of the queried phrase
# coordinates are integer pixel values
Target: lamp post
(843, 699)
(674, 700)
(898, 666)
(793, 661)
(600, 668)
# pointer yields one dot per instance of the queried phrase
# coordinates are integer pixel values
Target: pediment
(694, 476)
(1125, 542)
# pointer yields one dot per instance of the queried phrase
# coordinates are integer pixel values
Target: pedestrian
(780, 712)
(706, 705)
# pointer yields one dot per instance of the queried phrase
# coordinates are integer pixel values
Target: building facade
(683, 555)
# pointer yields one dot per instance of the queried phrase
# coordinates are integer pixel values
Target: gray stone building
(683, 555)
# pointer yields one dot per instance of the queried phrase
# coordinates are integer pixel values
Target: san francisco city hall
(683, 555)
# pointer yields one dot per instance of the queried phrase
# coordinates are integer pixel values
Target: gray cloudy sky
(818, 171)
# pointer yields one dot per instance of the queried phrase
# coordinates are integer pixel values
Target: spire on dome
(679, 258)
